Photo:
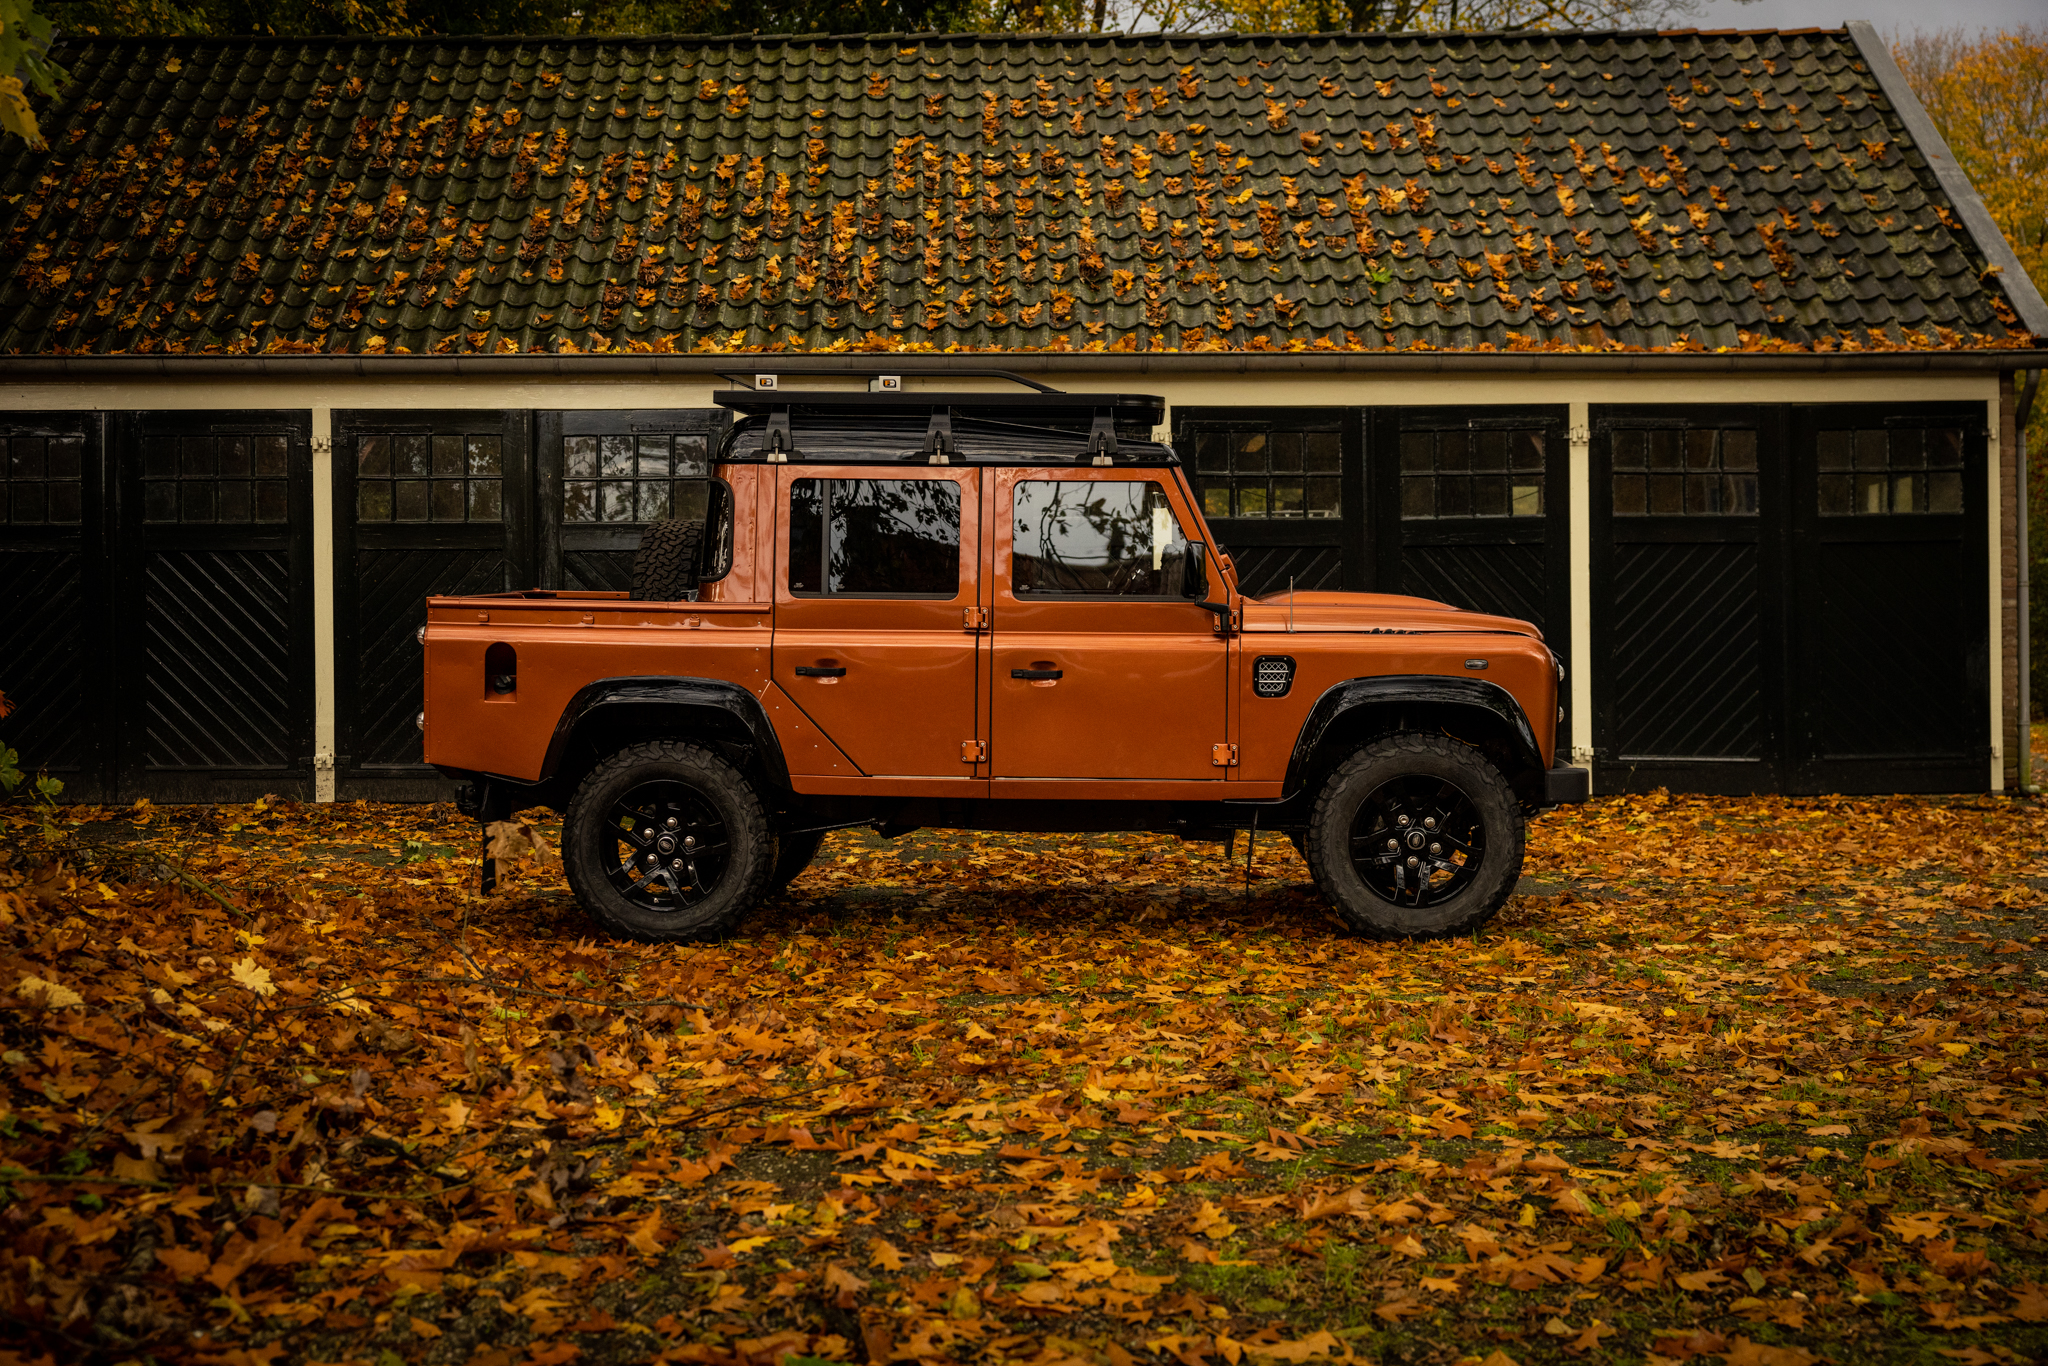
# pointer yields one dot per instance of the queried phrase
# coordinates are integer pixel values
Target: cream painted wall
(1204, 390)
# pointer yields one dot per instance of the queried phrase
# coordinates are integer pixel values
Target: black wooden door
(425, 503)
(213, 652)
(1688, 519)
(603, 475)
(1283, 489)
(1890, 638)
(53, 600)
(1472, 509)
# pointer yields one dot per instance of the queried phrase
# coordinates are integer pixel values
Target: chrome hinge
(974, 751)
(1223, 756)
(974, 618)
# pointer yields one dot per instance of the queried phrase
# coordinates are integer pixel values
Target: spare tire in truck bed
(665, 566)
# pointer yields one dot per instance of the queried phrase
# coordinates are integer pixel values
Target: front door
(1102, 669)
(876, 594)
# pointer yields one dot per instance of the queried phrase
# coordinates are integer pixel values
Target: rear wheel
(665, 841)
(1416, 837)
(793, 854)
(666, 565)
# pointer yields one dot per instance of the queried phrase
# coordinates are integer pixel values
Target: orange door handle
(1037, 675)
(819, 671)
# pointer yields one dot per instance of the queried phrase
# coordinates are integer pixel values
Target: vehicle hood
(1382, 613)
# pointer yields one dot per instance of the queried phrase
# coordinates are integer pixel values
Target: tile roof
(1409, 192)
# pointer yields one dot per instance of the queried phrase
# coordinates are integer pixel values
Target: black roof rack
(1124, 410)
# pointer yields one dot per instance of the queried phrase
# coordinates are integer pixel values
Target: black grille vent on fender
(1272, 675)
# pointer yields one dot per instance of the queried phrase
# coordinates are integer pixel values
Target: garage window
(1880, 471)
(1685, 472)
(1461, 473)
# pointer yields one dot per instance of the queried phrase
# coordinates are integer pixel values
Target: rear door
(1101, 668)
(876, 593)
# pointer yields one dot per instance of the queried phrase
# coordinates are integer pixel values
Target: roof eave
(1977, 220)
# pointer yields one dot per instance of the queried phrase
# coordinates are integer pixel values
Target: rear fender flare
(670, 703)
(1336, 714)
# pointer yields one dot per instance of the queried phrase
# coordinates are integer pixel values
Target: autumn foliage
(1756, 1082)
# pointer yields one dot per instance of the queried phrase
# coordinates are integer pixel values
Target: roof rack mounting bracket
(938, 438)
(1102, 439)
(777, 445)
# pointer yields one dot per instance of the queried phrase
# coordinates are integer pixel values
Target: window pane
(1699, 448)
(1248, 452)
(1628, 450)
(616, 501)
(615, 455)
(806, 536)
(27, 458)
(1945, 492)
(1835, 450)
(1909, 449)
(1287, 498)
(195, 501)
(1113, 537)
(373, 455)
(1527, 499)
(409, 453)
(1870, 492)
(1702, 491)
(1528, 450)
(485, 501)
(579, 457)
(1834, 495)
(651, 504)
(271, 454)
(1212, 451)
(195, 456)
(693, 499)
(894, 536)
(64, 502)
(1453, 450)
(270, 504)
(486, 456)
(1418, 452)
(159, 456)
(1873, 450)
(1285, 449)
(1909, 493)
(234, 500)
(1323, 498)
(411, 500)
(1945, 447)
(1664, 449)
(234, 457)
(30, 504)
(1738, 449)
(1321, 452)
(1490, 495)
(693, 455)
(1418, 496)
(653, 461)
(1216, 500)
(1491, 451)
(579, 501)
(1741, 494)
(159, 501)
(1631, 495)
(448, 499)
(1453, 497)
(448, 458)
(1251, 499)
(1667, 491)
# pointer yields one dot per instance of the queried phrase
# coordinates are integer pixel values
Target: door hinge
(974, 751)
(1223, 756)
(974, 618)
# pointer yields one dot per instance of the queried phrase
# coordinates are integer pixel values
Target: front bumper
(1562, 785)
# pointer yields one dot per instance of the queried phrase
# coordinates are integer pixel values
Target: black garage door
(1790, 598)
(1283, 489)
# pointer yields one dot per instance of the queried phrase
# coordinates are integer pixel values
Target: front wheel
(666, 842)
(1416, 837)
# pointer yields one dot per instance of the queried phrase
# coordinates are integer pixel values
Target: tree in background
(1988, 94)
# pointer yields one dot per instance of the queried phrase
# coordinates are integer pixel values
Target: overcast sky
(1890, 16)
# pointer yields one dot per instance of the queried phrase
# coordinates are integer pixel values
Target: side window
(1095, 538)
(876, 537)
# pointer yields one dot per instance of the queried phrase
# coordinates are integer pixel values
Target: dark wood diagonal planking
(1263, 569)
(393, 586)
(1887, 633)
(218, 656)
(42, 620)
(1687, 658)
(1503, 579)
(587, 570)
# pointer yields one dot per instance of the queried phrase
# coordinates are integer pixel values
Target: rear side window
(1095, 538)
(875, 537)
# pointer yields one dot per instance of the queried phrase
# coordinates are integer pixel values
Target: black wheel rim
(665, 847)
(1417, 841)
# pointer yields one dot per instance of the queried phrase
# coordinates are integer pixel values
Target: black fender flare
(666, 692)
(1392, 690)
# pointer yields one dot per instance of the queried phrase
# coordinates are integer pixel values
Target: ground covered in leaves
(1749, 1081)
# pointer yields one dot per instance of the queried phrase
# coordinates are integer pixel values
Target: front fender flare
(664, 691)
(1395, 690)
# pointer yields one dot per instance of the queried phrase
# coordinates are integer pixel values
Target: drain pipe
(2024, 412)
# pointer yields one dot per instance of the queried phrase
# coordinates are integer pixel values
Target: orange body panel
(1154, 703)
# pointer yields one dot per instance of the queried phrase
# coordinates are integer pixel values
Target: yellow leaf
(646, 1239)
(49, 994)
(254, 977)
(749, 1244)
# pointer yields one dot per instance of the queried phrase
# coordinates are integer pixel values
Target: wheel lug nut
(1403, 820)
(1429, 822)
(1393, 844)
(677, 865)
(672, 822)
(689, 841)
(648, 833)
(1436, 848)
(1414, 862)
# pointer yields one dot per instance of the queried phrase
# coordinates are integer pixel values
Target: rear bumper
(1562, 785)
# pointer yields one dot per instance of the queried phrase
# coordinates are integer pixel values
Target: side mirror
(1194, 573)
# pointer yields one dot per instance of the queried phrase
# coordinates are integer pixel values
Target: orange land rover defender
(994, 612)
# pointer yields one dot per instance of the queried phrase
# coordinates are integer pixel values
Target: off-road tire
(666, 565)
(589, 852)
(1369, 772)
(793, 854)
